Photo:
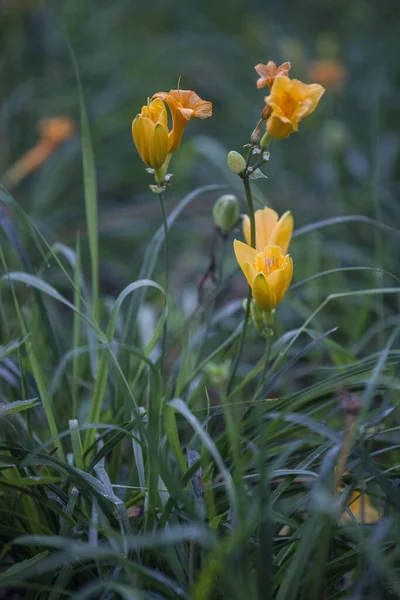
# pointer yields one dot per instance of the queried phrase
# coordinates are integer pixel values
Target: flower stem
(263, 379)
(249, 198)
(166, 268)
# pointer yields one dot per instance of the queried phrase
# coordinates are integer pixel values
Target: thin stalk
(76, 361)
(166, 268)
(209, 311)
(249, 198)
(264, 373)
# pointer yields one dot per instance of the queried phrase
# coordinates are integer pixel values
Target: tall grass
(135, 464)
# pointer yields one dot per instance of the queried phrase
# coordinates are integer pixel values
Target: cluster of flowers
(265, 263)
(154, 141)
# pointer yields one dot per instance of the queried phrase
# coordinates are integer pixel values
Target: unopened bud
(266, 113)
(255, 136)
(268, 317)
(236, 162)
(257, 316)
(226, 212)
(218, 372)
(265, 140)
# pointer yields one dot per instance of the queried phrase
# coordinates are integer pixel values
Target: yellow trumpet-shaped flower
(268, 273)
(270, 231)
(150, 134)
(290, 101)
(184, 105)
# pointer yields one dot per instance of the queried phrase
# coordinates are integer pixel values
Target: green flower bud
(265, 141)
(217, 372)
(236, 162)
(226, 212)
(257, 316)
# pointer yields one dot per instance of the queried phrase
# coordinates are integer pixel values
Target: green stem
(264, 373)
(166, 267)
(208, 312)
(249, 198)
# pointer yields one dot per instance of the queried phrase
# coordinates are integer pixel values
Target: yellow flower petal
(280, 127)
(142, 129)
(244, 254)
(279, 280)
(282, 232)
(263, 294)
(290, 101)
(158, 146)
(266, 219)
(268, 273)
(150, 134)
(250, 273)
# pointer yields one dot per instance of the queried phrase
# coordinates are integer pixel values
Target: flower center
(271, 264)
(289, 105)
(269, 260)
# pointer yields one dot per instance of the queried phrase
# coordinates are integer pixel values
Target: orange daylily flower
(53, 132)
(290, 101)
(330, 73)
(184, 105)
(270, 71)
(150, 134)
(57, 129)
(268, 273)
(270, 231)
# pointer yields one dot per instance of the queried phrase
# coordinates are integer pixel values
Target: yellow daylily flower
(268, 273)
(290, 101)
(150, 134)
(270, 231)
(184, 105)
(269, 72)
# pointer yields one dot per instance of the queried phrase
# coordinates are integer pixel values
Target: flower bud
(255, 136)
(226, 212)
(218, 372)
(236, 162)
(265, 141)
(256, 314)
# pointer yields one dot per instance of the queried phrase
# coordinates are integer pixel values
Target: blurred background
(344, 161)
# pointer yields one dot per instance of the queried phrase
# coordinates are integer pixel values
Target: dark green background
(345, 160)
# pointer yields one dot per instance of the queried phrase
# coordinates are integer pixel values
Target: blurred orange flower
(53, 132)
(184, 105)
(57, 129)
(290, 101)
(270, 71)
(329, 73)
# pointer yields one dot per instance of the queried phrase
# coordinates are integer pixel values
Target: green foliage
(138, 467)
